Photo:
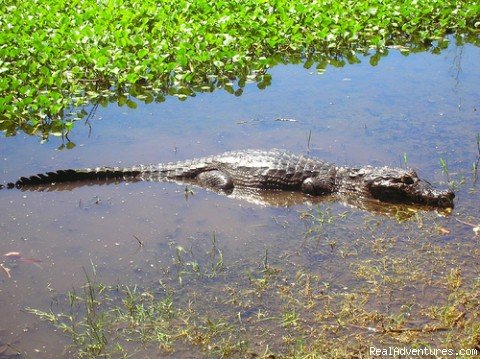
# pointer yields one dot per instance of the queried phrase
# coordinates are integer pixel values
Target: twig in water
(477, 162)
(475, 228)
(466, 223)
(309, 138)
(265, 259)
(425, 329)
(140, 242)
(6, 270)
(90, 115)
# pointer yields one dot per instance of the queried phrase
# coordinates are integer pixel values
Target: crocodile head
(396, 185)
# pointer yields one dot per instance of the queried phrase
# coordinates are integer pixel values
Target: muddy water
(417, 108)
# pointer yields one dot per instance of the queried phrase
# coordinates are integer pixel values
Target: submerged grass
(59, 54)
(416, 289)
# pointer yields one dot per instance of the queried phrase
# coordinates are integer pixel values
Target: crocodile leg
(215, 179)
(318, 185)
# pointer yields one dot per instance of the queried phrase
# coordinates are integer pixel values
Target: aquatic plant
(408, 290)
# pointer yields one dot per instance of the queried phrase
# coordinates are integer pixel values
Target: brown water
(423, 105)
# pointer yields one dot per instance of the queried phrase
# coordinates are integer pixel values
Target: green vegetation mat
(56, 56)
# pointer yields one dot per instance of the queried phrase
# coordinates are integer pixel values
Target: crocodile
(270, 170)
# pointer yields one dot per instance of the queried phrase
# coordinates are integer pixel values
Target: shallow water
(420, 107)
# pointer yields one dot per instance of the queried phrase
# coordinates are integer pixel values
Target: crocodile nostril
(447, 200)
(450, 195)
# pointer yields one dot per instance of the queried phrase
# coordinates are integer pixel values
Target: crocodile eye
(407, 180)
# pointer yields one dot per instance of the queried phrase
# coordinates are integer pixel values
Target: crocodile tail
(71, 175)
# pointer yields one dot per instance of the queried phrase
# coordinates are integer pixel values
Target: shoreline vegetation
(407, 292)
(58, 57)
